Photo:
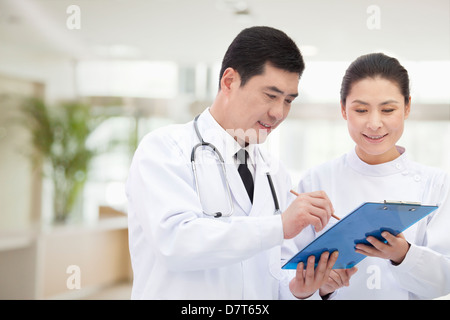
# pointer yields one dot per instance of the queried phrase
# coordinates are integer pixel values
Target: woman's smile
(374, 138)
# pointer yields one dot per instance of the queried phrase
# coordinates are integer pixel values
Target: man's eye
(271, 96)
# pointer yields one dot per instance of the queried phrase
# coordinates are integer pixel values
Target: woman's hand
(395, 249)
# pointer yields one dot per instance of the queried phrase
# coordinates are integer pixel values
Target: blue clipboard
(370, 219)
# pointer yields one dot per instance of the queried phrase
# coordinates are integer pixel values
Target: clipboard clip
(410, 203)
(402, 202)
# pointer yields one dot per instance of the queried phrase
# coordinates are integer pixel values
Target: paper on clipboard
(370, 219)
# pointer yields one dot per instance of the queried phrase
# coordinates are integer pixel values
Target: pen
(333, 215)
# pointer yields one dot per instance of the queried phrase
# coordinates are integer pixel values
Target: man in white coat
(178, 251)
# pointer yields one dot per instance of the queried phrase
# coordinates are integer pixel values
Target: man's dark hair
(254, 47)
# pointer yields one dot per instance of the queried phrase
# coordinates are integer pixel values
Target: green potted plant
(58, 136)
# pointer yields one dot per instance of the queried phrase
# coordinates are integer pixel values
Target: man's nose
(276, 112)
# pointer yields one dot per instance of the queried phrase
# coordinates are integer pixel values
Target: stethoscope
(210, 146)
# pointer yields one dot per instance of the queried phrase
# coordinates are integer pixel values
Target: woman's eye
(388, 110)
(361, 110)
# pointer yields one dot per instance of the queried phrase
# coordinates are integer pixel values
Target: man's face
(258, 107)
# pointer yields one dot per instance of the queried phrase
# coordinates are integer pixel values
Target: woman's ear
(343, 111)
(408, 108)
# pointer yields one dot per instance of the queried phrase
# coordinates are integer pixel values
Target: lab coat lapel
(238, 189)
(262, 194)
(227, 146)
(262, 197)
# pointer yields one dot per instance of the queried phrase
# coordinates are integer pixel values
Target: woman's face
(375, 111)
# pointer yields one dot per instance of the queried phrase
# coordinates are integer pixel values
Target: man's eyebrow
(277, 90)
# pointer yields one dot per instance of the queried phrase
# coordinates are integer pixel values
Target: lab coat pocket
(275, 263)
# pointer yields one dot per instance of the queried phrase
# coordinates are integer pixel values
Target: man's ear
(343, 111)
(229, 79)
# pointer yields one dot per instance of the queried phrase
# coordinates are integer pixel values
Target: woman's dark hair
(372, 66)
(253, 47)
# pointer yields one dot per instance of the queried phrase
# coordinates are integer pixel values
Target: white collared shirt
(231, 145)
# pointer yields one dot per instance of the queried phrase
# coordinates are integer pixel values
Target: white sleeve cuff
(411, 259)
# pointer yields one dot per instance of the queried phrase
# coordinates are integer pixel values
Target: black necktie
(245, 173)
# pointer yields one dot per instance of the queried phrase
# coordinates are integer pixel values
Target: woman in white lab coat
(375, 101)
(178, 251)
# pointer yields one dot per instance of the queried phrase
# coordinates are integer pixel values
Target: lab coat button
(398, 165)
(417, 178)
(405, 173)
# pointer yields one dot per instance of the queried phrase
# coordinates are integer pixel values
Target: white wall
(57, 74)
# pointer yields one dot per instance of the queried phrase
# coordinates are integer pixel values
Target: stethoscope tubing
(202, 143)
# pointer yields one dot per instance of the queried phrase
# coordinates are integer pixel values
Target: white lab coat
(177, 252)
(425, 271)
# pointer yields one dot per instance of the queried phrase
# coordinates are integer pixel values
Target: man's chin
(249, 136)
